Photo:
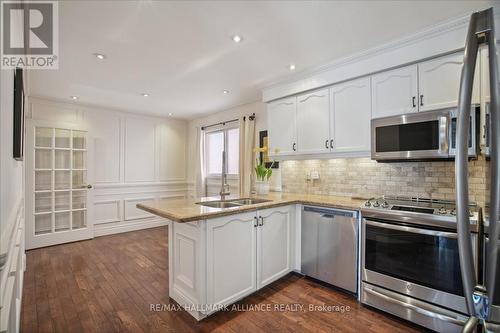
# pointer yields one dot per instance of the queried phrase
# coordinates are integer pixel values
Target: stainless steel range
(410, 260)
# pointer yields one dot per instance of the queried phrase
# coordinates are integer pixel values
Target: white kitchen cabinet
(313, 118)
(439, 82)
(231, 258)
(351, 115)
(216, 262)
(273, 245)
(282, 126)
(394, 92)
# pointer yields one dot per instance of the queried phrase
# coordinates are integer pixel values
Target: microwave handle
(444, 133)
(412, 230)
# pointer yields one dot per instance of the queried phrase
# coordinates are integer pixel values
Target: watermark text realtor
(30, 34)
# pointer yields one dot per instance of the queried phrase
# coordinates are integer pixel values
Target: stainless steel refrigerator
(479, 292)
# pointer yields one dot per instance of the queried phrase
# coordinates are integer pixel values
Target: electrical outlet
(314, 175)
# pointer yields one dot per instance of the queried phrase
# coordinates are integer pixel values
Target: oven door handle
(412, 230)
(415, 308)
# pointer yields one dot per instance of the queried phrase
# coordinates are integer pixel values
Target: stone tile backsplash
(362, 177)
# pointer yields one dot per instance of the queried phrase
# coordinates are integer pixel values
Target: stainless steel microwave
(420, 136)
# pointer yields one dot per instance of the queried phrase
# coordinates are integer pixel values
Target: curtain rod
(252, 117)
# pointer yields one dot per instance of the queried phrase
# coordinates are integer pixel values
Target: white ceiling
(181, 53)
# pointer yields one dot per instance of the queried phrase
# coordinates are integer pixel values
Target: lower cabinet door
(231, 258)
(273, 245)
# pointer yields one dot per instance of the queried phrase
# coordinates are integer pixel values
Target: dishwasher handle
(331, 213)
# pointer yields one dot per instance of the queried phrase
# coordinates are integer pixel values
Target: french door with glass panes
(58, 190)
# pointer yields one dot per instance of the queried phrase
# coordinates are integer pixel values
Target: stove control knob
(375, 204)
(442, 211)
(471, 214)
(384, 204)
(453, 212)
(368, 204)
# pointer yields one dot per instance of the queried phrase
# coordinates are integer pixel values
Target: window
(215, 143)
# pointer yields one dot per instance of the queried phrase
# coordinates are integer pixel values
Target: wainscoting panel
(137, 159)
(107, 211)
(131, 212)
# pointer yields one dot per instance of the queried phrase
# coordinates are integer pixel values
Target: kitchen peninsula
(220, 255)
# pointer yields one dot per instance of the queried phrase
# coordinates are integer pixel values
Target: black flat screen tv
(18, 123)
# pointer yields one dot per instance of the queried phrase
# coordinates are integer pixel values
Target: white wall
(258, 108)
(11, 171)
(136, 159)
(12, 258)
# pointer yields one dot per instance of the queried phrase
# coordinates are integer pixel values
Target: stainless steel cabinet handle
(255, 221)
(331, 143)
(424, 312)
(326, 144)
(421, 100)
(413, 101)
(293, 146)
(261, 221)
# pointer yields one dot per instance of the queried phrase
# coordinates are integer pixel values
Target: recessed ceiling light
(73, 97)
(170, 114)
(237, 38)
(99, 56)
(225, 92)
(145, 94)
(291, 67)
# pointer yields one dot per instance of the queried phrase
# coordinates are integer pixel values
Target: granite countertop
(186, 210)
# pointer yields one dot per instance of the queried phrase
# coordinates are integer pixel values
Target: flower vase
(262, 187)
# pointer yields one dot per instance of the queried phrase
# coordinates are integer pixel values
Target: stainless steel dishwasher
(330, 246)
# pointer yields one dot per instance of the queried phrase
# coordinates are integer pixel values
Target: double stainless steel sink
(232, 203)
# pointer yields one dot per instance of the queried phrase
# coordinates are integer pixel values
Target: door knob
(89, 186)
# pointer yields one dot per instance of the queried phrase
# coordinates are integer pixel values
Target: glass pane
(43, 202)
(79, 179)
(233, 150)
(79, 159)
(43, 137)
(62, 180)
(408, 137)
(63, 138)
(43, 224)
(43, 159)
(61, 200)
(43, 180)
(62, 160)
(62, 221)
(79, 199)
(79, 219)
(79, 140)
(428, 260)
(214, 148)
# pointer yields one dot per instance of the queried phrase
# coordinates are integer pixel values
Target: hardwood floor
(109, 283)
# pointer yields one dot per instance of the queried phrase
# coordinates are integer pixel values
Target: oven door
(414, 261)
(473, 132)
(411, 136)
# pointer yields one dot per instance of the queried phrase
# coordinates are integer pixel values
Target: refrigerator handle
(461, 166)
(481, 26)
(492, 253)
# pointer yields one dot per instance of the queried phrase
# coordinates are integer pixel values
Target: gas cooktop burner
(400, 206)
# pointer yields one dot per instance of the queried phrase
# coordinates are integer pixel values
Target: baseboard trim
(126, 226)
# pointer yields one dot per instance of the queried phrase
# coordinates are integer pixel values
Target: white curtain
(200, 180)
(247, 156)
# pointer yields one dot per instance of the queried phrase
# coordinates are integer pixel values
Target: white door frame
(54, 238)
